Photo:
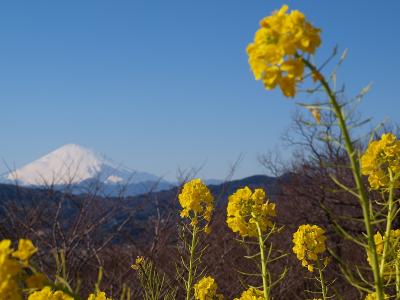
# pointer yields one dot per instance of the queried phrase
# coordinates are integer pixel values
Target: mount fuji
(75, 165)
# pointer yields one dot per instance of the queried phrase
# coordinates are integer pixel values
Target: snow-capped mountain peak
(73, 164)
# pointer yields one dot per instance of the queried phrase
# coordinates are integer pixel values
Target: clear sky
(159, 84)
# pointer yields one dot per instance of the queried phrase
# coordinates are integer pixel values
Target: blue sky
(160, 84)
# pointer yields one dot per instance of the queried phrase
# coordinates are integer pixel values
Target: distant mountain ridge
(76, 165)
(220, 191)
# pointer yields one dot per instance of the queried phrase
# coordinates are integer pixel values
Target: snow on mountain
(74, 164)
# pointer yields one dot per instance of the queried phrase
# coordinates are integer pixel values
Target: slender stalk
(123, 292)
(398, 278)
(99, 279)
(192, 249)
(324, 289)
(366, 209)
(263, 263)
(389, 219)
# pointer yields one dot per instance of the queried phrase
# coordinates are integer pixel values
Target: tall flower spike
(380, 158)
(206, 289)
(197, 202)
(47, 294)
(246, 208)
(274, 53)
(374, 297)
(309, 243)
(251, 294)
(392, 252)
(98, 296)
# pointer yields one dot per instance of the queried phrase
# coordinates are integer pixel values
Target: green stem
(263, 263)
(324, 289)
(99, 279)
(398, 278)
(365, 205)
(192, 249)
(123, 292)
(389, 220)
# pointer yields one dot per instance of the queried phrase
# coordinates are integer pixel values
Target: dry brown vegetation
(93, 231)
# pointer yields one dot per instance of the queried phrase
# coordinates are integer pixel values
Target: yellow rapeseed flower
(98, 296)
(206, 289)
(309, 242)
(47, 294)
(25, 250)
(9, 290)
(197, 202)
(381, 158)
(246, 209)
(274, 55)
(5, 247)
(392, 252)
(251, 294)
(374, 297)
(138, 262)
(9, 269)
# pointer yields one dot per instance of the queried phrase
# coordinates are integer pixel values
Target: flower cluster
(98, 296)
(25, 250)
(309, 242)
(11, 265)
(206, 289)
(251, 294)
(197, 201)
(138, 262)
(16, 275)
(47, 294)
(392, 255)
(381, 158)
(247, 209)
(275, 54)
(373, 296)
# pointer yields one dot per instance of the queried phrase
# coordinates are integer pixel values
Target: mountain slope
(74, 164)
